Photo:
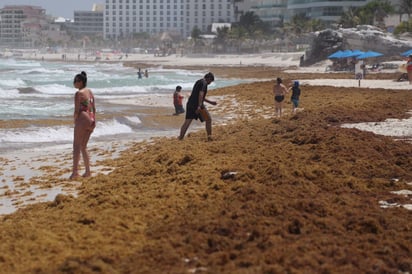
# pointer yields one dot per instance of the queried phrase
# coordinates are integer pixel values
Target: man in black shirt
(195, 108)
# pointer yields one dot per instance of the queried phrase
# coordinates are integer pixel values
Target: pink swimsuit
(88, 106)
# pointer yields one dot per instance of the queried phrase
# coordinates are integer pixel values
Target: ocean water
(34, 91)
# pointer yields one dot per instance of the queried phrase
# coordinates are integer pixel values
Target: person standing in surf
(84, 123)
(178, 101)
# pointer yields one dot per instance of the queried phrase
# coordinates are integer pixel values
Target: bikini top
(88, 106)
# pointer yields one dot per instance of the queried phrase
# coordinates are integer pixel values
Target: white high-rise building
(122, 18)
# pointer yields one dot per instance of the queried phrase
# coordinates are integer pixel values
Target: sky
(57, 8)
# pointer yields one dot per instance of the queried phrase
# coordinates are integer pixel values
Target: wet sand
(297, 194)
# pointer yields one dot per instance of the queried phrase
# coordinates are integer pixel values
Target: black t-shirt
(200, 85)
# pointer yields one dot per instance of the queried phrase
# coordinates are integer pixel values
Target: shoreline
(263, 59)
(156, 118)
(333, 197)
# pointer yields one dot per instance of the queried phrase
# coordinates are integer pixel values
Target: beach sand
(276, 59)
(297, 194)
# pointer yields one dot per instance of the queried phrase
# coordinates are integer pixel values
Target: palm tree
(375, 11)
(315, 25)
(221, 37)
(403, 27)
(237, 35)
(249, 21)
(195, 34)
(349, 18)
(406, 7)
(297, 27)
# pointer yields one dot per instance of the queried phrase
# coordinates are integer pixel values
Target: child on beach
(178, 101)
(84, 123)
(295, 95)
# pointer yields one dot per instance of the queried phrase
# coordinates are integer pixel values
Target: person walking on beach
(178, 101)
(295, 95)
(279, 91)
(84, 123)
(195, 108)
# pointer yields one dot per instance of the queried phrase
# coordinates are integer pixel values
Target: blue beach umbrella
(354, 53)
(369, 54)
(406, 53)
(337, 54)
(346, 53)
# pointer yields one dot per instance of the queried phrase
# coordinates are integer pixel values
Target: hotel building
(21, 25)
(125, 17)
(89, 22)
(328, 11)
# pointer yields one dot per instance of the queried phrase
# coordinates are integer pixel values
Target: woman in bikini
(279, 91)
(84, 123)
